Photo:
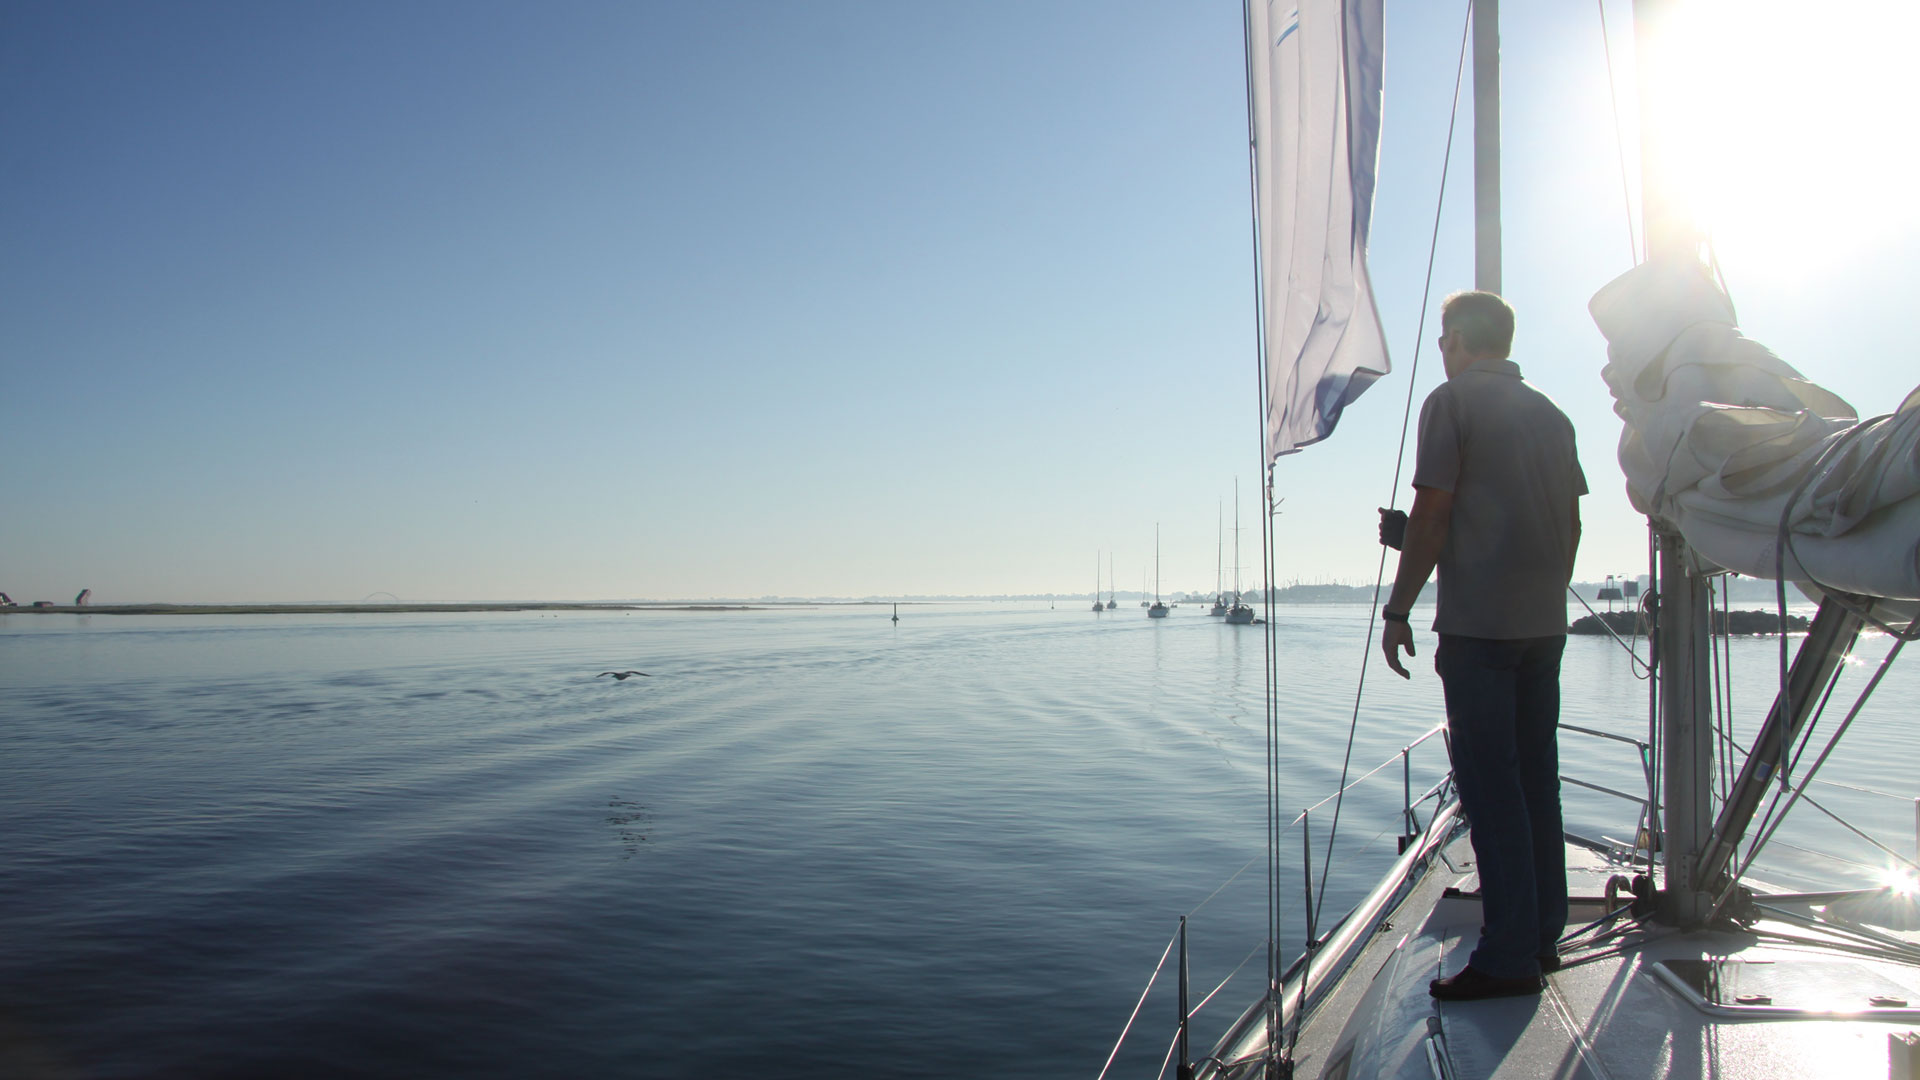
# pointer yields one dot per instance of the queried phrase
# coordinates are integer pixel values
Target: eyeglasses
(1441, 341)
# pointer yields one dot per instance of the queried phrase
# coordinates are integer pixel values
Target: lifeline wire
(1164, 953)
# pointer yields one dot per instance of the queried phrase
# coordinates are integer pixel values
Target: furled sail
(1314, 70)
(1730, 445)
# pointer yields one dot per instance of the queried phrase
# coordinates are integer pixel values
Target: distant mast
(1219, 597)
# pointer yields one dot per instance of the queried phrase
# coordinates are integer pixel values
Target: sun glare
(1787, 128)
(1900, 881)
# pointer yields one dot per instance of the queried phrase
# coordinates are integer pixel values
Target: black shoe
(1473, 985)
(1549, 962)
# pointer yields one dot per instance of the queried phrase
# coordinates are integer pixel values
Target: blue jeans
(1503, 712)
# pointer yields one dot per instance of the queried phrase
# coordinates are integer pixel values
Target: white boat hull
(1617, 1008)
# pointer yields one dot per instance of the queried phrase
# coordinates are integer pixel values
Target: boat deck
(1784, 1000)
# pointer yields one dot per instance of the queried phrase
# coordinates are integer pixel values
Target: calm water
(812, 844)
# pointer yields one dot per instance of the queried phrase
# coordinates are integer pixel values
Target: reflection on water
(814, 843)
(631, 822)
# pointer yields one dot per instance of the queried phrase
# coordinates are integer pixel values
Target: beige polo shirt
(1506, 452)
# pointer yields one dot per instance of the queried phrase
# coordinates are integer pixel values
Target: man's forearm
(1418, 555)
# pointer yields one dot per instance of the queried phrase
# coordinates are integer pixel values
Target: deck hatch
(1810, 989)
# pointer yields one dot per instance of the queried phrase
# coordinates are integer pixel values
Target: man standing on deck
(1496, 508)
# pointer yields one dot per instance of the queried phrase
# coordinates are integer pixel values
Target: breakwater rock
(1732, 622)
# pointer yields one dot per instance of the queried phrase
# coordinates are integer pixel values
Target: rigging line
(1791, 752)
(1819, 714)
(1640, 620)
(1857, 831)
(1865, 790)
(1832, 741)
(1271, 645)
(1722, 719)
(1790, 756)
(1730, 748)
(1726, 640)
(1268, 643)
(1783, 545)
(1722, 675)
(1164, 953)
(1648, 604)
(1270, 651)
(1399, 458)
(1223, 886)
(1723, 660)
(1838, 923)
(1639, 663)
(1827, 855)
(1195, 1011)
(1855, 938)
(1569, 937)
(1619, 137)
(1852, 939)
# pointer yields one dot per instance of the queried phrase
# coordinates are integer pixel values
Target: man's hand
(1395, 636)
(1393, 528)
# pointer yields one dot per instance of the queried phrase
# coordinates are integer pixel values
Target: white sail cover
(1315, 71)
(1725, 441)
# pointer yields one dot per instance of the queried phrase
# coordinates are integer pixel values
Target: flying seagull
(623, 676)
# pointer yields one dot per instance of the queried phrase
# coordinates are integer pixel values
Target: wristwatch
(1393, 616)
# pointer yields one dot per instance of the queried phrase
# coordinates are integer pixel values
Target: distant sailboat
(1158, 610)
(1241, 613)
(1097, 605)
(1111, 601)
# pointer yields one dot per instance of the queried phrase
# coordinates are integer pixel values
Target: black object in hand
(1393, 527)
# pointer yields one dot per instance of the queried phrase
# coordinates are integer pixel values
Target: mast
(1663, 215)
(1685, 706)
(1683, 622)
(1486, 145)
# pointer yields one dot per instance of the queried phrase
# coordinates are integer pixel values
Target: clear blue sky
(471, 301)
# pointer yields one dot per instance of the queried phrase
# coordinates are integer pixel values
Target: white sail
(1723, 439)
(1315, 75)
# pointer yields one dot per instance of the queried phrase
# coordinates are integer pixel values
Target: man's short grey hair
(1483, 317)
